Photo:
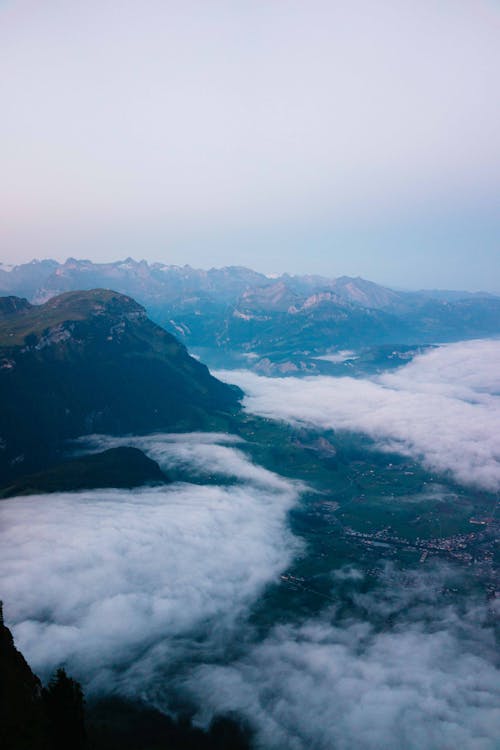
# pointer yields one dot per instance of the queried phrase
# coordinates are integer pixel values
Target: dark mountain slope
(57, 718)
(23, 724)
(123, 467)
(93, 362)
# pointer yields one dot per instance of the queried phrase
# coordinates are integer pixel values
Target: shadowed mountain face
(88, 362)
(53, 718)
(239, 309)
(123, 467)
(22, 716)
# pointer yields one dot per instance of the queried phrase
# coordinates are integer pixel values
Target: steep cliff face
(22, 717)
(93, 362)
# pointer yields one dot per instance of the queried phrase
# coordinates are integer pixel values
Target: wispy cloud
(443, 408)
(204, 454)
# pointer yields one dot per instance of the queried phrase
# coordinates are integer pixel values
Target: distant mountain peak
(202, 305)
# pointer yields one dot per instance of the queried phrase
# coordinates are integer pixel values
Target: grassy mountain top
(19, 319)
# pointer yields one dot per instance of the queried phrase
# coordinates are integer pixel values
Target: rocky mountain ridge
(238, 309)
(39, 280)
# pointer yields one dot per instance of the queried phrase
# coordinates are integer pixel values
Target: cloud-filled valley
(429, 682)
(442, 408)
(151, 592)
(99, 580)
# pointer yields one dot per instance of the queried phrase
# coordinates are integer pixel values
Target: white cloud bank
(443, 408)
(117, 583)
(146, 592)
(321, 687)
(429, 682)
(206, 454)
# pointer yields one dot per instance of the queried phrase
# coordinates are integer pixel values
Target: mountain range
(79, 355)
(238, 309)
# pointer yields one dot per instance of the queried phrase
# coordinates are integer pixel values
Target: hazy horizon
(275, 274)
(327, 138)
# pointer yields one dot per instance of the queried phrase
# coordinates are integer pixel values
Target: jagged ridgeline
(238, 309)
(92, 361)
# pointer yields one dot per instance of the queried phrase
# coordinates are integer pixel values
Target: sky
(329, 137)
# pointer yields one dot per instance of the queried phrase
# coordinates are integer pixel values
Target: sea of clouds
(112, 583)
(427, 683)
(148, 591)
(443, 408)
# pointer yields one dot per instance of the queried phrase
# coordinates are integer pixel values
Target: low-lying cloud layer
(429, 682)
(147, 591)
(442, 408)
(117, 583)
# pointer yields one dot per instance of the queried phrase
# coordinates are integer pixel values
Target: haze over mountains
(221, 553)
(238, 309)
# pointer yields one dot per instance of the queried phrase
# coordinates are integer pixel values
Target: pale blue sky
(353, 137)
